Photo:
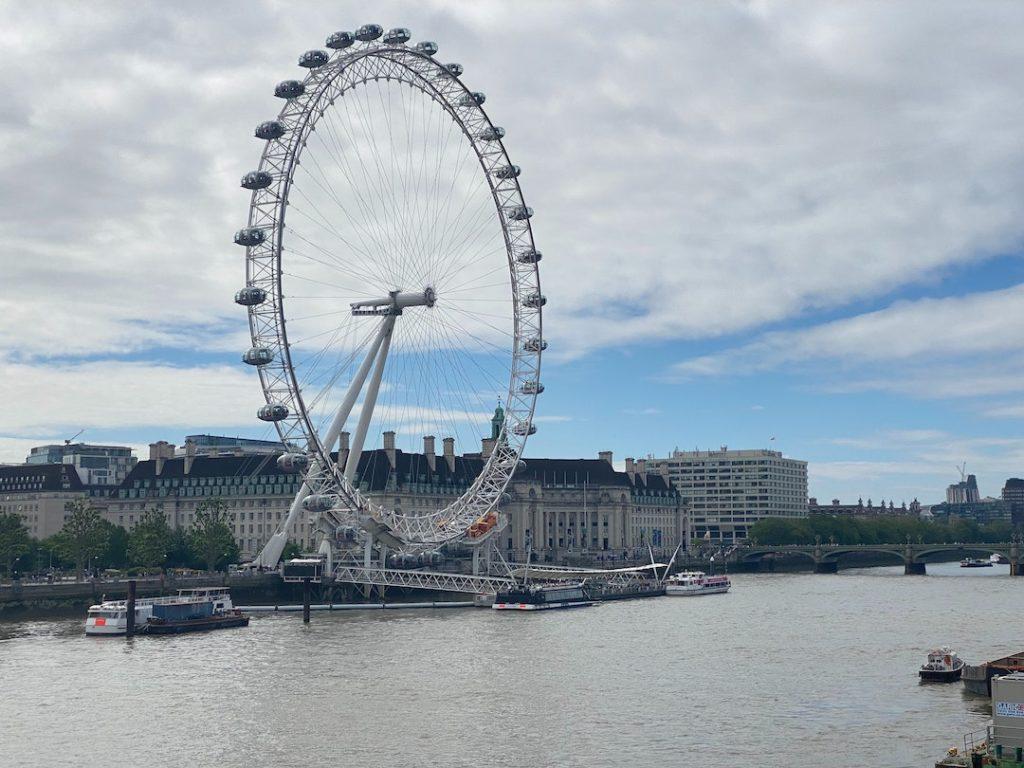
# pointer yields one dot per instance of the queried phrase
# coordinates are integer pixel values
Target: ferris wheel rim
(507, 195)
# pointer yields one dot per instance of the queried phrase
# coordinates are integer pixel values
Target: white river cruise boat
(696, 583)
(110, 617)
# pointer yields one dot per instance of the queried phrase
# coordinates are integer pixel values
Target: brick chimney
(449, 453)
(190, 455)
(428, 452)
(389, 447)
(487, 446)
(605, 456)
(630, 468)
(641, 469)
(159, 452)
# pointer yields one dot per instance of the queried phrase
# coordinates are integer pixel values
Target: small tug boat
(696, 583)
(943, 666)
(527, 597)
(975, 562)
(996, 559)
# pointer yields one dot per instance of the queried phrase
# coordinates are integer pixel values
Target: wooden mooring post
(130, 610)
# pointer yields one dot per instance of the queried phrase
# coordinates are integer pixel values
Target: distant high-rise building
(964, 492)
(212, 445)
(95, 464)
(728, 491)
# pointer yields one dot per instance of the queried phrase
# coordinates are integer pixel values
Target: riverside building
(565, 509)
(727, 491)
(38, 494)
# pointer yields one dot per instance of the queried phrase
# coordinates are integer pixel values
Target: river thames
(786, 670)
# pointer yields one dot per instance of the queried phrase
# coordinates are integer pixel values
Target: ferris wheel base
(270, 555)
(381, 532)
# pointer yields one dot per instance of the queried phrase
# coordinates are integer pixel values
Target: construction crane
(69, 440)
(962, 468)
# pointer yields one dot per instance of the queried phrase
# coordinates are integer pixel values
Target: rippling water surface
(792, 670)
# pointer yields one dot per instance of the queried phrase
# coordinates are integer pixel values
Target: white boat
(690, 583)
(943, 665)
(110, 617)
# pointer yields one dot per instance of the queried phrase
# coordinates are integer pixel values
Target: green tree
(83, 536)
(211, 537)
(115, 554)
(181, 554)
(291, 549)
(149, 542)
(14, 540)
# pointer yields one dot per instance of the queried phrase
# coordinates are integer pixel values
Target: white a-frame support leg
(271, 552)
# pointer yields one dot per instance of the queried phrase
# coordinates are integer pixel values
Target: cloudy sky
(793, 221)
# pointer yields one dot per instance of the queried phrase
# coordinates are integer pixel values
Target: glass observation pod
(531, 387)
(313, 59)
(272, 412)
(257, 356)
(494, 133)
(250, 296)
(293, 462)
(289, 89)
(369, 32)
(535, 345)
(250, 236)
(531, 256)
(454, 69)
(340, 40)
(269, 130)
(522, 428)
(508, 172)
(520, 212)
(397, 35)
(427, 48)
(318, 502)
(470, 99)
(257, 180)
(535, 300)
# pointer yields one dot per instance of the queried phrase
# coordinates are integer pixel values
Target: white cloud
(964, 346)
(55, 398)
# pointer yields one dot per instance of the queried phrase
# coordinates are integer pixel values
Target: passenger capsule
(524, 428)
(293, 462)
(472, 99)
(369, 32)
(257, 356)
(272, 412)
(289, 89)
(340, 40)
(250, 296)
(531, 387)
(519, 212)
(494, 133)
(397, 36)
(257, 180)
(427, 48)
(318, 502)
(270, 130)
(536, 344)
(535, 300)
(313, 59)
(508, 172)
(250, 236)
(454, 69)
(531, 256)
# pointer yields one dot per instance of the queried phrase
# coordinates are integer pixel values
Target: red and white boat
(690, 583)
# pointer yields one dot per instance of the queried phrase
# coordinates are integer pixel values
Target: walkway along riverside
(825, 557)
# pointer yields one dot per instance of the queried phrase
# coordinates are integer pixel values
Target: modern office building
(213, 445)
(95, 464)
(1013, 492)
(727, 491)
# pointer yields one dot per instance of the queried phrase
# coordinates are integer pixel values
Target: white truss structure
(431, 580)
(339, 502)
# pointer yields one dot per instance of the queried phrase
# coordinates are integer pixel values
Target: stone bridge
(913, 556)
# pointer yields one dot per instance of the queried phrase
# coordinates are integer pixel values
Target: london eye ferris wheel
(392, 283)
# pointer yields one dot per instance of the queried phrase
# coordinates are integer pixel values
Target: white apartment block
(726, 491)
